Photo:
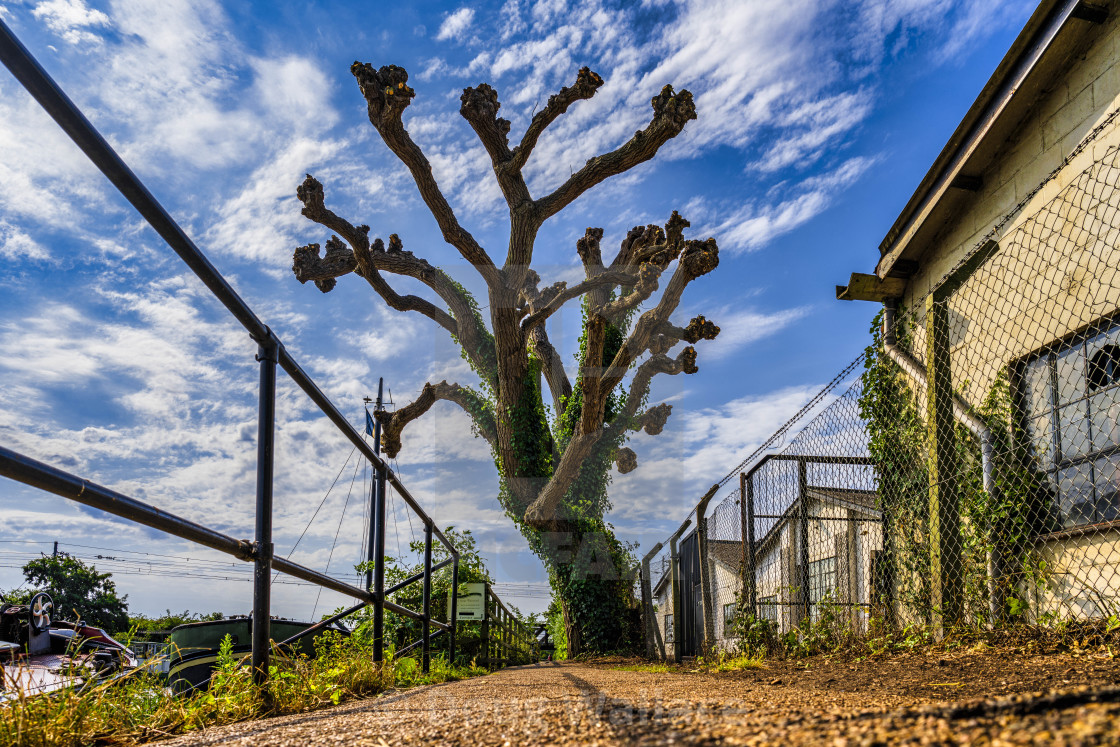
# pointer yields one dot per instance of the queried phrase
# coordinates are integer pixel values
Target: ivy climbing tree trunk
(554, 474)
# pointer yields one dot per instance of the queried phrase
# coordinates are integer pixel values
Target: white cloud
(261, 222)
(15, 243)
(740, 328)
(753, 225)
(456, 25)
(72, 20)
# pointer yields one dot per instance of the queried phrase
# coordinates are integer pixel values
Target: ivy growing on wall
(1000, 526)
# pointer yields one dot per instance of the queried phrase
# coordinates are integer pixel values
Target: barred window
(1071, 395)
(669, 629)
(729, 613)
(822, 582)
(768, 608)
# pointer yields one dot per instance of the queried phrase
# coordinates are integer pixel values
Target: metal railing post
(746, 507)
(427, 634)
(453, 613)
(486, 627)
(648, 619)
(262, 564)
(803, 540)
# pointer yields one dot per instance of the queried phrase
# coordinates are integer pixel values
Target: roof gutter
(1032, 44)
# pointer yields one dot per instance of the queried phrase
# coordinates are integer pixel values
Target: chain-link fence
(964, 471)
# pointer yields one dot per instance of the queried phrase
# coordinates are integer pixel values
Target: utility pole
(373, 489)
(55, 553)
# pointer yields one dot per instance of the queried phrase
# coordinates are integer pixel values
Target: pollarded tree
(553, 475)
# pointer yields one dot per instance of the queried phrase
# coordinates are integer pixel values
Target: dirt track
(574, 704)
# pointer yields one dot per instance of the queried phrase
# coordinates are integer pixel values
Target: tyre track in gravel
(565, 703)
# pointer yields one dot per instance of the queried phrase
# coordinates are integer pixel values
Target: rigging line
(411, 530)
(336, 533)
(396, 528)
(407, 513)
(312, 519)
(365, 520)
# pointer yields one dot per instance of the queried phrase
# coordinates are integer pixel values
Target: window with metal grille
(768, 608)
(669, 629)
(822, 582)
(729, 613)
(1071, 398)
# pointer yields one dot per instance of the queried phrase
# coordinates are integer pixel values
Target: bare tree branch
(480, 108)
(552, 298)
(670, 113)
(652, 244)
(544, 509)
(369, 262)
(698, 258)
(587, 83)
(393, 423)
(339, 260)
(387, 95)
(552, 367)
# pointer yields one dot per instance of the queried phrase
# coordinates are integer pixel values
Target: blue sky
(817, 119)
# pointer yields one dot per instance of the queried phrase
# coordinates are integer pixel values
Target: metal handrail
(271, 353)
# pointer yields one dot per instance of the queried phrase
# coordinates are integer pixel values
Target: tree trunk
(596, 594)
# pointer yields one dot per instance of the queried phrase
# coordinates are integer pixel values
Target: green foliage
(557, 631)
(79, 591)
(896, 442)
(17, 596)
(753, 635)
(1020, 508)
(139, 708)
(647, 668)
(400, 630)
(142, 625)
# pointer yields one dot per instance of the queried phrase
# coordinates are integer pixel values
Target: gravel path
(572, 704)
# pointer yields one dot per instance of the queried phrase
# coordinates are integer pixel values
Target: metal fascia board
(1006, 88)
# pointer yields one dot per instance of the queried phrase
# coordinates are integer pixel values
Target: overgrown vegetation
(831, 633)
(139, 708)
(77, 589)
(995, 527)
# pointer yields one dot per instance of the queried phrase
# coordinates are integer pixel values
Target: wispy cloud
(456, 25)
(15, 243)
(697, 448)
(225, 131)
(755, 223)
(72, 20)
(743, 327)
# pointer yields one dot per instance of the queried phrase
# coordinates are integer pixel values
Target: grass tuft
(650, 668)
